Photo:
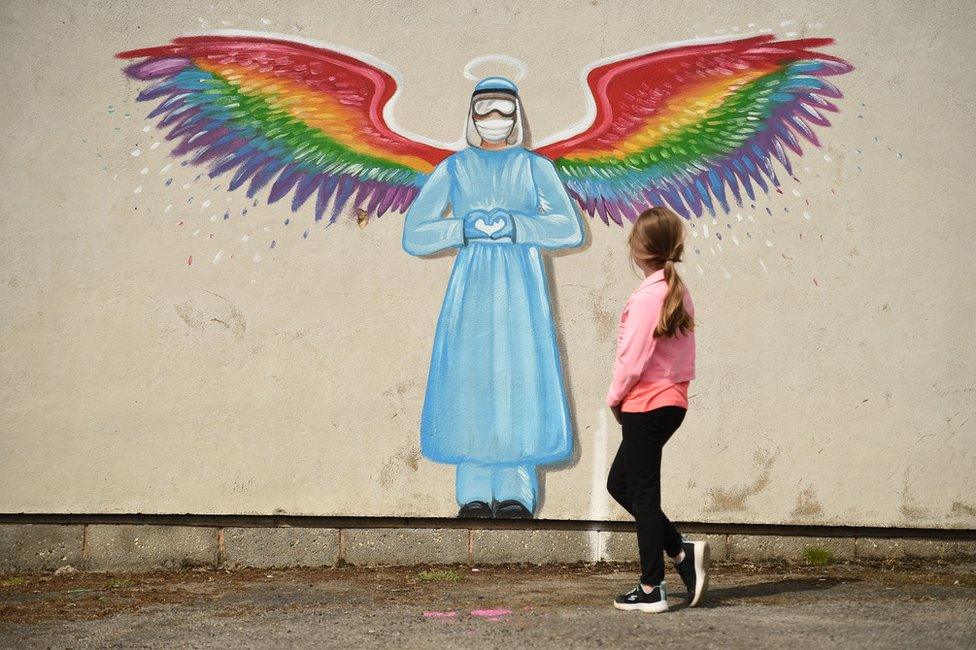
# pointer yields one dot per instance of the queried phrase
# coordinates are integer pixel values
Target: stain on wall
(605, 314)
(808, 507)
(961, 509)
(407, 457)
(203, 313)
(913, 513)
(734, 499)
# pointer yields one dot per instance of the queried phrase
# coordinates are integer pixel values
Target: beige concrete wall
(836, 353)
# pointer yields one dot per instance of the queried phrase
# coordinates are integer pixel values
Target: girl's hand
(616, 413)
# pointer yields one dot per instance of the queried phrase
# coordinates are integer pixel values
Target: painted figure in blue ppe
(496, 402)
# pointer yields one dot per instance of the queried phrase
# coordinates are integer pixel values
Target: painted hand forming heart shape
(489, 228)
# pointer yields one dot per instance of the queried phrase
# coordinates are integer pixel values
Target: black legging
(635, 483)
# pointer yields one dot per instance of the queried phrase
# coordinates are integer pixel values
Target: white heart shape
(489, 230)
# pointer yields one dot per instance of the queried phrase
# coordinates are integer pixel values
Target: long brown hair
(658, 239)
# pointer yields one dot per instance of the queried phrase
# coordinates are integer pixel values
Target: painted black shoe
(693, 570)
(635, 599)
(475, 510)
(511, 509)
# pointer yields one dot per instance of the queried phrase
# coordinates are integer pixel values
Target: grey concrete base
(141, 548)
(921, 548)
(40, 547)
(759, 548)
(404, 546)
(130, 547)
(280, 547)
(530, 546)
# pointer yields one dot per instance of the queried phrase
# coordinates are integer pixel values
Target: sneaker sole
(650, 608)
(702, 559)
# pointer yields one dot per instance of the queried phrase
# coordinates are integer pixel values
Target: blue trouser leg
(502, 482)
(517, 482)
(473, 483)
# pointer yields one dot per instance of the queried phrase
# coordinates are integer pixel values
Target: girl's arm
(636, 344)
(557, 225)
(425, 229)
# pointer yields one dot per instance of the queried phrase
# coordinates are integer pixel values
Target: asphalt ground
(921, 604)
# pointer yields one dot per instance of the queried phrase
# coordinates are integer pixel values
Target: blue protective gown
(495, 392)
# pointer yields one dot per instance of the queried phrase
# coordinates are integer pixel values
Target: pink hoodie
(641, 356)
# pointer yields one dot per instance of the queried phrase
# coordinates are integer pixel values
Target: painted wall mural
(694, 126)
(495, 406)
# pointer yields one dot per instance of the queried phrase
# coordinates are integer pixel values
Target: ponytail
(674, 317)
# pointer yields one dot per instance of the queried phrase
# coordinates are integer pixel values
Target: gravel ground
(857, 605)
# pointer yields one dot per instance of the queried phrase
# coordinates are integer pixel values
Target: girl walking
(649, 397)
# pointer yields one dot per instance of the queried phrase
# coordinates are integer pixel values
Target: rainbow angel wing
(306, 120)
(684, 126)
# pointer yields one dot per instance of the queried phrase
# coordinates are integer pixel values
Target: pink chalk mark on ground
(440, 615)
(491, 614)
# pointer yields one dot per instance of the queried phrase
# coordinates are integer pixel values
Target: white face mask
(495, 130)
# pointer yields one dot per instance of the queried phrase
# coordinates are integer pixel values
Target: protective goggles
(483, 107)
